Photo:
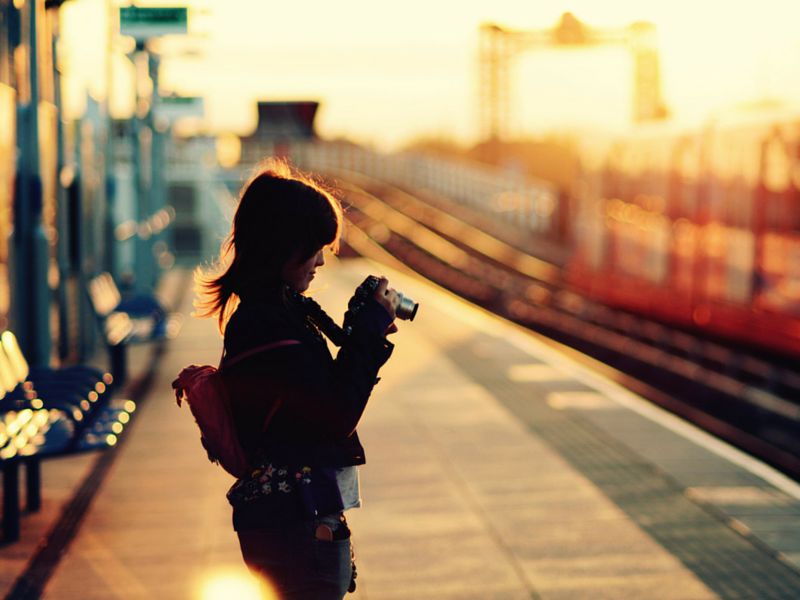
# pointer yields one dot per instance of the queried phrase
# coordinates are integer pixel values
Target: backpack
(203, 388)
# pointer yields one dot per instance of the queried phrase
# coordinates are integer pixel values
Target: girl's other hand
(388, 299)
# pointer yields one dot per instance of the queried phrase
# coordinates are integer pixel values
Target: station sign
(144, 23)
(177, 107)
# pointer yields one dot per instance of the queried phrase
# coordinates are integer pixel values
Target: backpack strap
(263, 348)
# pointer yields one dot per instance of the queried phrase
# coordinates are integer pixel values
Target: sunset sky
(387, 73)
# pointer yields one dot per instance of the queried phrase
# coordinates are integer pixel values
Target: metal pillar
(33, 484)
(142, 171)
(647, 101)
(109, 237)
(493, 83)
(30, 290)
(68, 328)
(157, 191)
(11, 501)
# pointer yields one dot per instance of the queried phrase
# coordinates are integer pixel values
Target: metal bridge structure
(500, 46)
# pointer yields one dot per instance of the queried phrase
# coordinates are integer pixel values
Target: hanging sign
(176, 107)
(144, 23)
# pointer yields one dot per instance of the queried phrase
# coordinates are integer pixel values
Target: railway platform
(497, 468)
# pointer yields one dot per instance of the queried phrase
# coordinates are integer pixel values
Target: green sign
(176, 107)
(143, 23)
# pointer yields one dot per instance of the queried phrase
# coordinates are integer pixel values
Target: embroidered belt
(267, 480)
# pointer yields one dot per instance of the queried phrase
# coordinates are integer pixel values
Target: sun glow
(234, 583)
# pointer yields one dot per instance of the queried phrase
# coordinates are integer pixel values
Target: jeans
(289, 558)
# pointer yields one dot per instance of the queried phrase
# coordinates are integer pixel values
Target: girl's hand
(388, 298)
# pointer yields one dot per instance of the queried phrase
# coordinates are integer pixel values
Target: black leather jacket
(319, 399)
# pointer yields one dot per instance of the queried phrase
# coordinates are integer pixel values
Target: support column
(30, 292)
(648, 104)
(157, 192)
(11, 501)
(33, 484)
(142, 175)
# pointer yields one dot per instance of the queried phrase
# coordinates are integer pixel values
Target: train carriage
(700, 228)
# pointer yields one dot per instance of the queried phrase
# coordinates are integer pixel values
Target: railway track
(729, 391)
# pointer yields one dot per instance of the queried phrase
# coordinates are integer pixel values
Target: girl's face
(298, 275)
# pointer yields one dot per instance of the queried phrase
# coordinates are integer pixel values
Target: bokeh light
(234, 583)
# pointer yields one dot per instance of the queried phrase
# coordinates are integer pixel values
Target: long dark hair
(283, 214)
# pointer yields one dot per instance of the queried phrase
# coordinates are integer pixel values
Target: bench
(49, 412)
(128, 320)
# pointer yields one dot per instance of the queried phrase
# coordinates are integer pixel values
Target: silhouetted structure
(279, 124)
(499, 46)
(285, 120)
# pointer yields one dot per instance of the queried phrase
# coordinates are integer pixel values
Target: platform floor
(497, 468)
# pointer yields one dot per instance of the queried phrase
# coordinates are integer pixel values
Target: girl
(296, 408)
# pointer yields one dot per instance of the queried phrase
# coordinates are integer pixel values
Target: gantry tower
(500, 46)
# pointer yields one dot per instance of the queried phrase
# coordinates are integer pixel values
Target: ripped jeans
(299, 560)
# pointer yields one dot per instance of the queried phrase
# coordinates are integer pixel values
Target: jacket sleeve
(319, 397)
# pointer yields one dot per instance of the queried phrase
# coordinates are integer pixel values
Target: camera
(406, 308)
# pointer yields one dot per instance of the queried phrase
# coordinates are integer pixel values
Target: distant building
(280, 124)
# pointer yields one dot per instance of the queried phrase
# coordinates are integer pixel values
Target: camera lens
(406, 308)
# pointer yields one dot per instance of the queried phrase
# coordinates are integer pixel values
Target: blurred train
(699, 228)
